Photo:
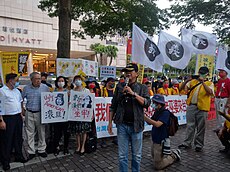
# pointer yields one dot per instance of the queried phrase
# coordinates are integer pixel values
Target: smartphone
(195, 76)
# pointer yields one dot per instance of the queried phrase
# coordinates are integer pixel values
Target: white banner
(54, 107)
(108, 71)
(145, 51)
(173, 52)
(101, 111)
(175, 104)
(81, 106)
(72, 67)
(199, 42)
(223, 59)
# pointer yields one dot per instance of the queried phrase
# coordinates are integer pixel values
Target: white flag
(199, 42)
(223, 58)
(172, 51)
(145, 51)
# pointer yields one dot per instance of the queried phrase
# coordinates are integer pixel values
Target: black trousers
(11, 138)
(61, 128)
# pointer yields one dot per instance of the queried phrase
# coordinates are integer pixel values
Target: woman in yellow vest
(175, 86)
(149, 85)
(165, 90)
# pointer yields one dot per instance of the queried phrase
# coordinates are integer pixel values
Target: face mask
(16, 85)
(176, 86)
(166, 85)
(179, 80)
(221, 75)
(122, 80)
(78, 82)
(61, 84)
(203, 75)
(91, 86)
(112, 85)
(153, 106)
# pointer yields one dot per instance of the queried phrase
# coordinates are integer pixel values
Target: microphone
(126, 81)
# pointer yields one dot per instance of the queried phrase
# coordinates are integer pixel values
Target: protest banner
(1, 73)
(108, 71)
(81, 106)
(101, 111)
(205, 60)
(72, 67)
(54, 107)
(174, 103)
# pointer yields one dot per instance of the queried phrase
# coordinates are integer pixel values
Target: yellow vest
(204, 99)
(162, 91)
(182, 92)
(104, 92)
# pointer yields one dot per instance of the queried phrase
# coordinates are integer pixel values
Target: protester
(122, 79)
(32, 93)
(165, 90)
(81, 129)
(157, 84)
(160, 149)
(180, 80)
(199, 100)
(222, 94)
(44, 79)
(127, 111)
(108, 91)
(148, 84)
(174, 88)
(224, 133)
(61, 128)
(11, 122)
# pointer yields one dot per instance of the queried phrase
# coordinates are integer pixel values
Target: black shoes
(198, 149)
(6, 167)
(182, 146)
(21, 159)
(66, 151)
(31, 156)
(43, 154)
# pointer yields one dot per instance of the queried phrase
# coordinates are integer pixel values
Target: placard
(81, 106)
(108, 72)
(54, 107)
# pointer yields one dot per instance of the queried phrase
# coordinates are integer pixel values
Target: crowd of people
(129, 103)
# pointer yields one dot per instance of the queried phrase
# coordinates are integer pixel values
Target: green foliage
(109, 17)
(207, 12)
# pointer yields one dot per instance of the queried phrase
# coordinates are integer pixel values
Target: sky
(174, 29)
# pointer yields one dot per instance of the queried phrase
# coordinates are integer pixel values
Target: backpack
(173, 124)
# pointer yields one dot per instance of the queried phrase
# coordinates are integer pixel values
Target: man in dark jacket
(127, 111)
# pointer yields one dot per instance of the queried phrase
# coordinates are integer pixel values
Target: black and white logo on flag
(200, 41)
(227, 61)
(151, 49)
(174, 50)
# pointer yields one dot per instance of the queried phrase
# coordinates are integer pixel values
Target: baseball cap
(158, 99)
(130, 67)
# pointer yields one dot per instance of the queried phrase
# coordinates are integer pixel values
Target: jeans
(126, 135)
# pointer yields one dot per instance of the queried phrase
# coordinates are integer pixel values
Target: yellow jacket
(182, 92)
(203, 99)
(174, 91)
(104, 92)
(162, 91)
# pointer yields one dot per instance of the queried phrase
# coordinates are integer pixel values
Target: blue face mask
(16, 85)
(153, 106)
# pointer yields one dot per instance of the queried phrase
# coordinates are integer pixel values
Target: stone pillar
(30, 64)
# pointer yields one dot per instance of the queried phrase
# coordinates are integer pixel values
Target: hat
(203, 70)
(130, 67)
(90, 79)
(175, 81)
(158, 98)
(223, 70)
(110, 79)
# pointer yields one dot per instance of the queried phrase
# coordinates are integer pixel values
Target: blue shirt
(160, 133)
(33, 96)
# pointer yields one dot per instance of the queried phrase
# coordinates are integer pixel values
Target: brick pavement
(105, 159)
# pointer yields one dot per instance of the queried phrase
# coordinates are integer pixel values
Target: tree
(111, 51)
(211, 12)
(106, 17)
(98, 49)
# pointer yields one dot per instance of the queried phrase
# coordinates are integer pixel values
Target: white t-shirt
(12, 100)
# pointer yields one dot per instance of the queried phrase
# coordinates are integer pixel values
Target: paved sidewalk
(105, 159)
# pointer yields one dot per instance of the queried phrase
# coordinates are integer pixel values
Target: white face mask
(61, 84)
(78, 82)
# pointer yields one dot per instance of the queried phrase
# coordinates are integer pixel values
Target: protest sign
(72, 67)
(108, 72)
(54, 107)
(101, 111)
(81, 106)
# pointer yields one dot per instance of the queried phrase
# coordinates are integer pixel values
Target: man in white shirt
(11, 122)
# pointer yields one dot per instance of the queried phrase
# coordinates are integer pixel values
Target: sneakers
(182, 146)
(177, 153)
